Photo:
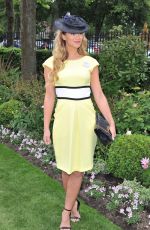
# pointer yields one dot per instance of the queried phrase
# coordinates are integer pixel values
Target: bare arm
(49, 101)
(101, 100)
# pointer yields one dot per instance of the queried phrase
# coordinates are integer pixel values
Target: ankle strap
(67, 209)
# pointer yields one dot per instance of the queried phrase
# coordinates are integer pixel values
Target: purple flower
(145, 163)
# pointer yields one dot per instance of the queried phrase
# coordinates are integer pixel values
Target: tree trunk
(28, 39)
(10, 21)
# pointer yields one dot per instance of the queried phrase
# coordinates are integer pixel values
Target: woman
(70, 75)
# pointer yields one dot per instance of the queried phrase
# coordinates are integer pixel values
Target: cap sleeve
(93, 63)
(48, 63)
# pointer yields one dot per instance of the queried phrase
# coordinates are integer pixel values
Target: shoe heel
(78, 205)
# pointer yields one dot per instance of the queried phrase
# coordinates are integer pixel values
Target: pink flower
(145, 163)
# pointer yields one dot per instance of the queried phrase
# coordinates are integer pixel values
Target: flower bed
(126, 203)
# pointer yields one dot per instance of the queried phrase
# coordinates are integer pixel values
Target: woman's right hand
(46, 137)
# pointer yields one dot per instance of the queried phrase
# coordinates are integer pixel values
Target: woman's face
(73, 40)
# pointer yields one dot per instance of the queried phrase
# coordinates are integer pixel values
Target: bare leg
(73, 187)
(65, 178)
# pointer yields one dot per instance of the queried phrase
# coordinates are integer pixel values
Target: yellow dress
(73, 134)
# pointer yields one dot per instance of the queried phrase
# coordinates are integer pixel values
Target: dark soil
(98, 204)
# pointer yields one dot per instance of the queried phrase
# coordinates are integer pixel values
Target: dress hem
(76, 170)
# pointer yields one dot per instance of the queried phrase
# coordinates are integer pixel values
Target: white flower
(87, 190)
(130, 214)
(54, 164)
(126, 195)
(120, 195)
(130, 190)
(112, 194)
(128, 132)
(92, 176)
(116, 189)
(32, 150)
(135, 207)
(102, 189)
(119, 187)
(128, 209)
(135, 105)
(94, 186)
(122, 211)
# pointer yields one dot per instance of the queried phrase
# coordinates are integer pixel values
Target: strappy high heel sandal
(63, 227)
(76, 218)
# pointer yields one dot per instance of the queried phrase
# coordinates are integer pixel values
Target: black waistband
(73, 87)
(69, 98)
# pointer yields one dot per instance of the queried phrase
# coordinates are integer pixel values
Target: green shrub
(29, 119)
(5, 94)
(13, 56)
(146, 177)
(8, 74)
(41, 56)
(123, 64)
(29, 91)
(125, 154)
(132, 112)
(8, 110)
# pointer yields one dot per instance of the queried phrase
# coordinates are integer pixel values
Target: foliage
(11, 57)
(9, 78)
(123, 64)
(101, 151)
(132, 111)
(29, 119)
(100, 166)
(144, 193)
(5, 94)
(125, 155)
(146, 177)
(8, 110)
(129, 198)
(41, 56)
(96, 191)
(29, 91)
(122, 14)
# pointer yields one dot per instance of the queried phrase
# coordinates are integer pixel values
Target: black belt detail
(72, 87)
(70, 98)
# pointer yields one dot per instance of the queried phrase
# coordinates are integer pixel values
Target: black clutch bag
(102, 130)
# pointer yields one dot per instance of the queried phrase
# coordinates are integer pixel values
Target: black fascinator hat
(71, 24)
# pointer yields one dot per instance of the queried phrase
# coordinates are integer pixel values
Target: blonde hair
(60, 53)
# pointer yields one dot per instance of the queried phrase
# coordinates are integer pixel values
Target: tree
(10, 21)
(129, 14)
(28, 38)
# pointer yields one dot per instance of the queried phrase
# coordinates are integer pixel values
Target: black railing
(45, 40)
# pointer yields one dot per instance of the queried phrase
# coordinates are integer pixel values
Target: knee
(64, 173)
(77, 174)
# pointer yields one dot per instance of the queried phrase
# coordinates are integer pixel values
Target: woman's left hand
(112, 130)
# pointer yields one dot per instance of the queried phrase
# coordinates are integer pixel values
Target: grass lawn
(30, 200)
